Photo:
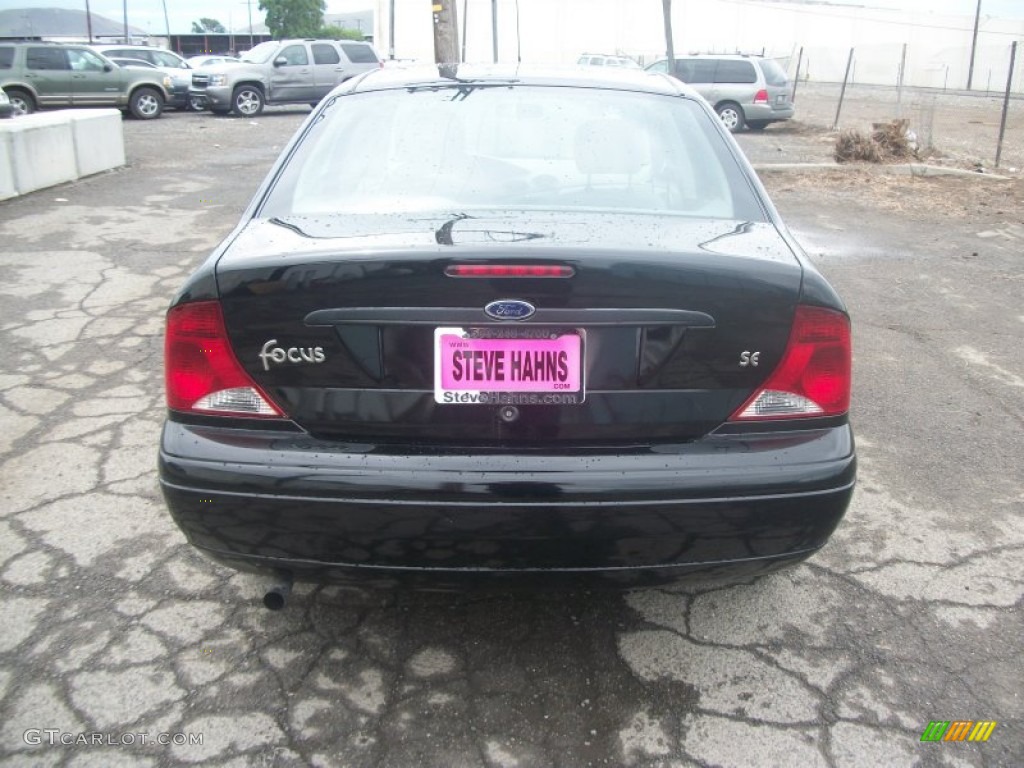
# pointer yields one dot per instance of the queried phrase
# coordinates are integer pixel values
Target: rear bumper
(768, 112)
(266, 501)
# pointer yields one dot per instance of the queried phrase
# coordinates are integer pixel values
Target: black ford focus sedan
(500, 321)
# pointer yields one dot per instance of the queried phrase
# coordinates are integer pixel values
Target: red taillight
(509, 270)
(813, 378)
(202, 374)
(761, 97)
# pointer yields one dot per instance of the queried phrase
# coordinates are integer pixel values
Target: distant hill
(58, 22)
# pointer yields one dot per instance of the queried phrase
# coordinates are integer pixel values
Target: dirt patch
(795, 128)
(985, 203)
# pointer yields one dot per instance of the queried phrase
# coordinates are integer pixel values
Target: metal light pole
(796, 77)
(88, 21)
(1006, 102)
(519, 42)
(167, 24)
(670, 51)
(391, 32)
(465, 26)
(494, 29)
(124, 6)
(248, 5)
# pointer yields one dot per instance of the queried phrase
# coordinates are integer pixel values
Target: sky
(148, 14)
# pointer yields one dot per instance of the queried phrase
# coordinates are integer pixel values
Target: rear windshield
(773, 73)
(527, 147)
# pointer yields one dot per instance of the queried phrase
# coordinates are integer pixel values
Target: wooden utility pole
(666, 7)
(446, 32)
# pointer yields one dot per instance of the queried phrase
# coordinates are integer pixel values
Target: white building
(558, 31)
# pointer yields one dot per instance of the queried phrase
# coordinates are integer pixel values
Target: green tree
(339, 33)
(207, 25)
(294, 18)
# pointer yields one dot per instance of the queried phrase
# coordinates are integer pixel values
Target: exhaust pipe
(277, 595)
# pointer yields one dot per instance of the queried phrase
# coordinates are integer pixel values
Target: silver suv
(744, 90)
(281, 72)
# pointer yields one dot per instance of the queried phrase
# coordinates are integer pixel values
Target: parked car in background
(281, 72)
(161, 58)
(505, 320)
(178, 96)
(604, 60)
(747, 91)
(36, 75)
(122, 62)
(198, 62)
(6, 108)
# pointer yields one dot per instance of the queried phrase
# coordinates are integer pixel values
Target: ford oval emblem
(510, 309)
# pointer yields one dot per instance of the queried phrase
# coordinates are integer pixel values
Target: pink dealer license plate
(469, 368)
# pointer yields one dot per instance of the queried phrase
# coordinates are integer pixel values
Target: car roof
(442, 75)
(315, 40)
(128, 47)
(741, 56)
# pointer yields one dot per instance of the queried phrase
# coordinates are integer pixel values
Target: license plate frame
(511, 388)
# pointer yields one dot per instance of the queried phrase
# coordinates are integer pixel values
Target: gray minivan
(744, 90)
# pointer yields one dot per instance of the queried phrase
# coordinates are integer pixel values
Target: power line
(840, 15)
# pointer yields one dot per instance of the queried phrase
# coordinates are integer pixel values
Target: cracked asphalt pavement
(110, 624)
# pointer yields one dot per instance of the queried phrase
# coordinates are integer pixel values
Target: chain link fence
(890, 82)
(946, 69)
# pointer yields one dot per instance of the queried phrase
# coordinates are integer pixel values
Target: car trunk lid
(340, 326)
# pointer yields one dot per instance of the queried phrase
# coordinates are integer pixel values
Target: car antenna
(519, 42)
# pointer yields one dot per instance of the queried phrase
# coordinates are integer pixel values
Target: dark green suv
(36, 75)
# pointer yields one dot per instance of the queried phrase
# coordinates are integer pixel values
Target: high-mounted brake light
(761, 97)
(509, 270)
(202, 374)
(813, 378)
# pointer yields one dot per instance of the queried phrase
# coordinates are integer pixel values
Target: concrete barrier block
(42, 150)
(7, 188)
(99, 140)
